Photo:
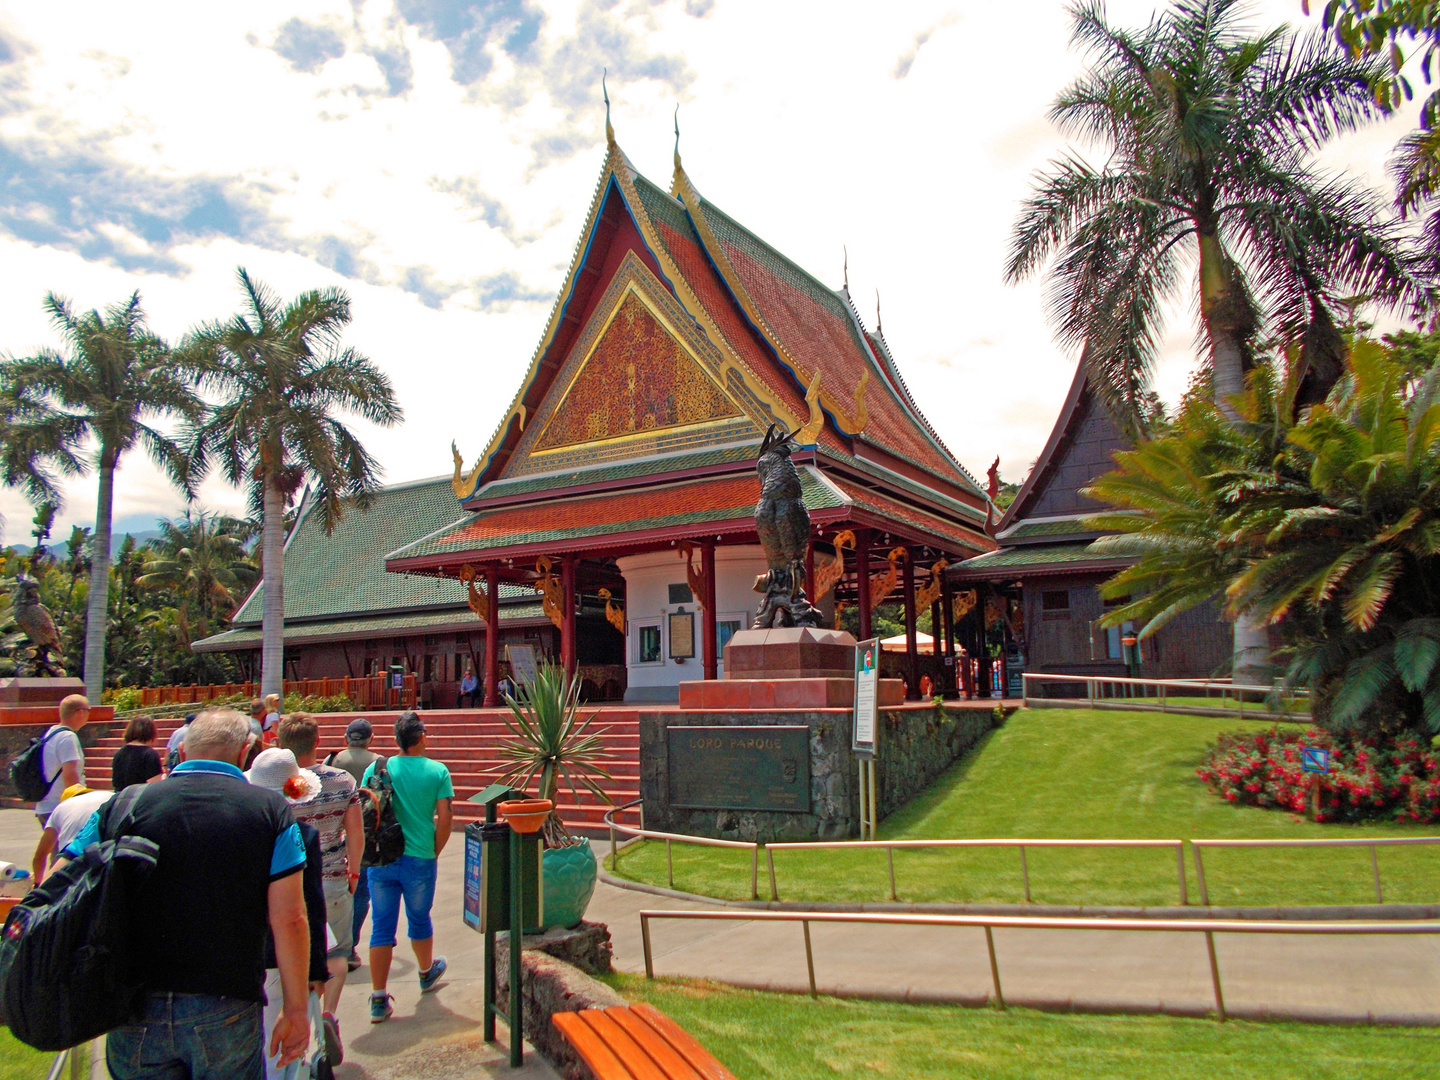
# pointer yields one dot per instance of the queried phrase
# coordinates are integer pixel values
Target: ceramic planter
(569, 875)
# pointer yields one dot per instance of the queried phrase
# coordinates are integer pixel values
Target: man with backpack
(55, 761)
(229, 864)
(421, 791)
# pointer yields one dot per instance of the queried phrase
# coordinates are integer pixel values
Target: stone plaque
(740, 768)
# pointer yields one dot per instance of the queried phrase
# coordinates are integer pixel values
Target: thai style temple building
(622, 478)
(1041, 589)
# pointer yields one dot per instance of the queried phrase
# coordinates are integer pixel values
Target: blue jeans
(414, 879)
(189, 1037)
(361, 906)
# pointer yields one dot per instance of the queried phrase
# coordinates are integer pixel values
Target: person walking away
(355, 759)
(277, 770)
(335, 812)
(230, 864)
(62, 759)
(77, 804)
(136, 762)
(176, 740)
(271, 722)
(257, 717)
(422, 792)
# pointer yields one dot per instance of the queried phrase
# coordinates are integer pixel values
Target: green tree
(1208, 189)
(201, 558)
(114, 378)
(282, 373)
(1328, 526)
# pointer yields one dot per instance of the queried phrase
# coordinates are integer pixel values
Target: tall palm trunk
(272, 625)
(1225, 315)
(97, 608)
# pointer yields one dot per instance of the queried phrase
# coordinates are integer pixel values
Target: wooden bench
(636, 1042)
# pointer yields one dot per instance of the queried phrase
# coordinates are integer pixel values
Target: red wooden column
(912, 651)
(492, 636)
(567, 619)
(947, 616)
(935, 647)
(862, 580)
(708, 637)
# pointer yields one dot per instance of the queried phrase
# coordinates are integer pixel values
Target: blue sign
(1315, 759)
(474, 854)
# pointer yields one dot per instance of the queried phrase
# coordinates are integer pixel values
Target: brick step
(438, 743)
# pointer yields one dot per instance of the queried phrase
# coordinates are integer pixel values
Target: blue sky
(436, 158)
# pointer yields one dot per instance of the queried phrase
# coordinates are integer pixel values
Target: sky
(436, 159)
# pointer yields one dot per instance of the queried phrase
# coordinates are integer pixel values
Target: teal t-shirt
(419, 782)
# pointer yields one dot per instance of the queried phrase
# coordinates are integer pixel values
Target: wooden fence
(369, 692)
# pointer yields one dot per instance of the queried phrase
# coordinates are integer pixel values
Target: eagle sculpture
(35, 620)
(784, 527)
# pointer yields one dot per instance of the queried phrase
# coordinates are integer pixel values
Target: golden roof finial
(677, 138)
(878, 325)
(846, 250)
(609, 131)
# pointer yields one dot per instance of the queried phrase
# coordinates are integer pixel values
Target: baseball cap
(357, 731)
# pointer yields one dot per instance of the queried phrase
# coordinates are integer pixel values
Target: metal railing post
(890, 855)
(1215, 976)
(669, 866)
(645, 941)
(1375, 866)
(770, 861)
(1025, 873)
(1200, 874)
(809, 956)
(755, 872)
(1180, 866)
(994, 967)
(614, 851)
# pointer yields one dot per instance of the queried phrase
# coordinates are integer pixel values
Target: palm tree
(200, 557)
(1208, 190)
(282, 374)
(115, 377)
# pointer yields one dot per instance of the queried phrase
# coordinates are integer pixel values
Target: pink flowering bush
(1394, 779)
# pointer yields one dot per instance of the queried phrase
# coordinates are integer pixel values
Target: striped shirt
(326, 812)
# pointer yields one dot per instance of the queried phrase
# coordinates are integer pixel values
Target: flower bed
(1394, 780)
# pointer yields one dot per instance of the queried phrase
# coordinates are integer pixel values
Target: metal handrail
(680, 838)
(1371, 842)
(1208, 927)
(1096, 700)
(891, 845)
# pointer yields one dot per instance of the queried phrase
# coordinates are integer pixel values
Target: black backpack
(67, 952)
(27, 771)
(384, 839)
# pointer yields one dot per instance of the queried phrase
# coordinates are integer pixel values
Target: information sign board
(474, 856)
(682, 635)
(522, 662)
(740, 768)
(867, 695)
(1315, 759)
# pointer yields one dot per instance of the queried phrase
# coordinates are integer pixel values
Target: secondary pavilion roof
(677, 338)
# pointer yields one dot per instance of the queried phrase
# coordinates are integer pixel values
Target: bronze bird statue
(783, 524)
(35, 620)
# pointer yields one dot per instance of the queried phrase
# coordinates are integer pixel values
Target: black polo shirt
(205, 908)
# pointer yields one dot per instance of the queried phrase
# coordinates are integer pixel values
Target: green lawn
(759, 1035)
(20, 1062)
(1063, 773)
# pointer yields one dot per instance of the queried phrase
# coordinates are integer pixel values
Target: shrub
(125, 699)
(1369, 778)
(315, 703)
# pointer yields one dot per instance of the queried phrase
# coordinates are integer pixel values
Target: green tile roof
(1037, 555)
(1028, 530)
(344, 574)
(895, 480)
(299, 633)
(628, 470)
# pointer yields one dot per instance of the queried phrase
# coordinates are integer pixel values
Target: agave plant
(552, 741)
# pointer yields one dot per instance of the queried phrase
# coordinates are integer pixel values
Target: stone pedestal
(37, 700)
(790, 668)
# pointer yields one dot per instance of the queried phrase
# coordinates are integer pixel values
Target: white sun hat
(276, 769)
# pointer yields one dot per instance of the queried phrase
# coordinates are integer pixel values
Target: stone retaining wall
(917, 743)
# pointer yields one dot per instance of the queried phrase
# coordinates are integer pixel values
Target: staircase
(467, 741)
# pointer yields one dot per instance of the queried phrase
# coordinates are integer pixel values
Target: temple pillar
(912, 650)
(708, 638)
(947, 616)
(935, 647)
(492, 636)
(567, 619)
(862, 581)
(980, 652)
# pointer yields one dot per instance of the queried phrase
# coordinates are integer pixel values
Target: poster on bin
(867, 697)
(473, 853)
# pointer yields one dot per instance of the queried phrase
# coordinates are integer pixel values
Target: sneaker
(380, 1007)
(352, 962)
(334, 1049)
(428, 979)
